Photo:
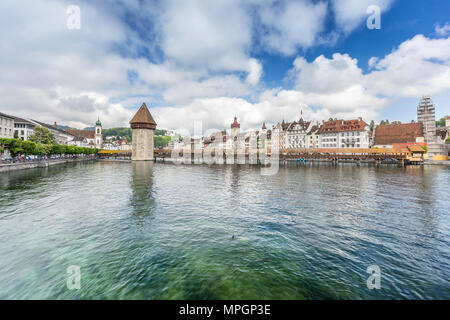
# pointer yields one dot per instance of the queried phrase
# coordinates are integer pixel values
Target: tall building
(235, 128)
(143, 127)
(426, 115)
(98, 135)
(6, 126)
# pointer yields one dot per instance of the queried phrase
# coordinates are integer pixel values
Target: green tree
(16, 134)
(161, 141)
(13, 145)
(441, 122)
(42, 135)
(372, 125)
(29, 147)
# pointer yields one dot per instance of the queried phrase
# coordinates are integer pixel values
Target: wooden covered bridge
(404, 156)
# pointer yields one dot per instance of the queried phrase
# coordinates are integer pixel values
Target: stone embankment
(5, 167)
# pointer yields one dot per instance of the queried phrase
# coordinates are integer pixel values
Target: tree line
(41, 142)
(30, 148)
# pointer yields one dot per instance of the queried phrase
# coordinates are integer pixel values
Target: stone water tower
(143, 126)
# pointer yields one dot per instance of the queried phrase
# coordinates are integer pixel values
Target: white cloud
(255, 71)
(46, 67)
(290, 25)
(444, 30)
(338, 85)
(218, 113)
(418, 66)
(215, 34)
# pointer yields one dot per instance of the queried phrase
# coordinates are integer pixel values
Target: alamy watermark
(374, 20)
(374, 280)
(73, 278)
(73, 17)
(228, 147)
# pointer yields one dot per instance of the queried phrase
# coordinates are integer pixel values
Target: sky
(207, 61)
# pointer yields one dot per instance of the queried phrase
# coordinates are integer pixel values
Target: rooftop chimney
(55, 125)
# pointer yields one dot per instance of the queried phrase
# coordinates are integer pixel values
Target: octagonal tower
(143, 126)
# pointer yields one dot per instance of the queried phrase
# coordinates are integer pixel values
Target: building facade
(387, 135)
(345, 134)
(61, 136)
(280, 131)
(296, 134)
(313, 137)
(23, 128)
(6, 126)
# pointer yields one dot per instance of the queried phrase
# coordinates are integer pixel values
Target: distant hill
(64, 127)
(126, 133)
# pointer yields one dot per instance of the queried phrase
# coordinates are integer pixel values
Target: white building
(24, 128)
(296, 134)
(78, 142)
(6, 126)
(345, 134)
(61, 136)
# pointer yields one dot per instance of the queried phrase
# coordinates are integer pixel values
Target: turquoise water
(163, 231)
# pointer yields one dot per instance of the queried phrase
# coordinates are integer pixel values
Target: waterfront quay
(6, 166)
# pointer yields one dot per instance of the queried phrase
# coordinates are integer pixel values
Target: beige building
(6, 126)
(313, 137)
(143, 126)
(279, 132)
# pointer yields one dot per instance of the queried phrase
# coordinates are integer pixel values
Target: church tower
(98, 135)
(235, 128)
(143, 126)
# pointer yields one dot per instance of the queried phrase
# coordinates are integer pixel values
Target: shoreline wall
(42, 164)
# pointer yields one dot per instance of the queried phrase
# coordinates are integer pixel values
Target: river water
(165, 231)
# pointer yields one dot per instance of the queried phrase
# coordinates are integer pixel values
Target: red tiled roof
(343, 125)
(235, 124)
(87, 134)
(389, 134)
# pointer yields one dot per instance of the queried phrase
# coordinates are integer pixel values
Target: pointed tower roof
(264, 126)
(143, 119)
(235, 124)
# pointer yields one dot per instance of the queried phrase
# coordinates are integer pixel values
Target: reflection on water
(159, 231)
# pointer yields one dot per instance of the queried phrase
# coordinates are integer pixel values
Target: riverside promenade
(5, 167)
